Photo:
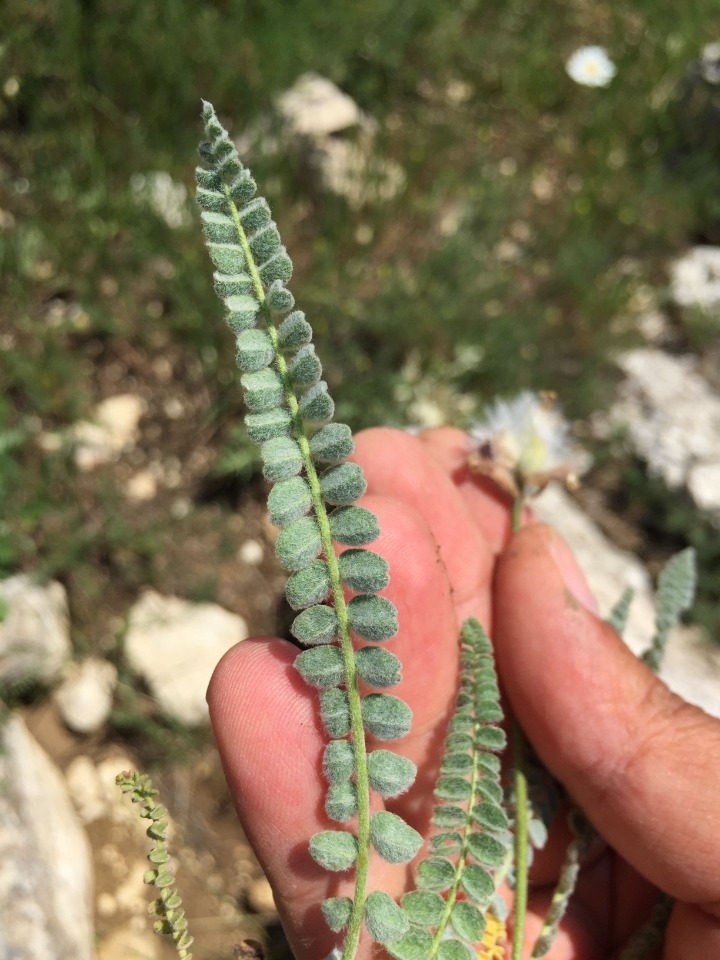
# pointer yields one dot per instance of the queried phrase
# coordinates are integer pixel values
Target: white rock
(673, 419)
(45, 864)
(141, 486)
(35, 635)
(86, 790)
(695, 278)
(175, 645)
(112, 429)
(690, 667)
(85, 696)
(338, 138)
(315, 107)
(165, 196)
(251, 553)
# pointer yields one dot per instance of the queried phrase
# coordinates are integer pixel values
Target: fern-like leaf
(471, 845)
(314, 502)
(676, 592)
(170, 915)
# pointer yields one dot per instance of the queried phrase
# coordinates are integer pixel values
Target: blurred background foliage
(535, 225)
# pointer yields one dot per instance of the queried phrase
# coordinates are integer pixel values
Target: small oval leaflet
(364, 571)
(278, 267)
(490, 738)
(278, 298)
(454, 950)
(298, 543)
(486, 849)
(424, 907)
(265, 242)
(268, 424)
(332, 443)
(449, 816)
(457, 763)
(335, 712)
(309, 585)
(338, 761)
(294, 331)
(453, 788)
(490, 816)
(254, 350)
(394, 840)
(372, 618)
(317, 404)
(336, 911)
(390, 774)
(341, 801)
(378, 667)
(386, 717)
(477, 884)
(415, 945)
(321, 666)
(342, 484)
(316, 625)
(436, 873)
(263, 389)
(305, 368)
(334, 850)
(289, 500)
(282, 459)
(468, 922)
(354, 526)
(385, 921)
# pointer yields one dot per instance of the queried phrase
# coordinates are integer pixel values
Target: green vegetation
(572, 199)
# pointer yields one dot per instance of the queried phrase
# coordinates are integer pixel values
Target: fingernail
(573, 577)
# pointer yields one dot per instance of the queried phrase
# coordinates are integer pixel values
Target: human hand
(624, 747)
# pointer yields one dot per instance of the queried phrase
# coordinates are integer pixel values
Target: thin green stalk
(467, 833)
(358, 732)
(521, 809)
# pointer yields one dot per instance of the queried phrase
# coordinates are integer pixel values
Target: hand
(643, 765)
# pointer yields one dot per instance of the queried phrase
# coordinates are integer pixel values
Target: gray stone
(673, 419)
(35, 635)
(45, 864)
(84, 698)
(112, 429)
(175, 645)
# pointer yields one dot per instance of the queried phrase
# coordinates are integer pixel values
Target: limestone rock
(85, 696)
(175, 645)
(112, 429)
(691, 667)
(673, 419)
(35, 634)
(45, 865)
(695, 279)
(336, 138)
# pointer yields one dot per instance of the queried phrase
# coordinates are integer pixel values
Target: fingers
(643, 765)
(405, 468)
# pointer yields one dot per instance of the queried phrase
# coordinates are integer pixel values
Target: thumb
(642, 764)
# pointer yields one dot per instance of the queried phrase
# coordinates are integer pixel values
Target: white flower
(591, 67)
(523, 444)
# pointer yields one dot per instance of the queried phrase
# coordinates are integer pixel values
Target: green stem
(521, 809)
(358, 732)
